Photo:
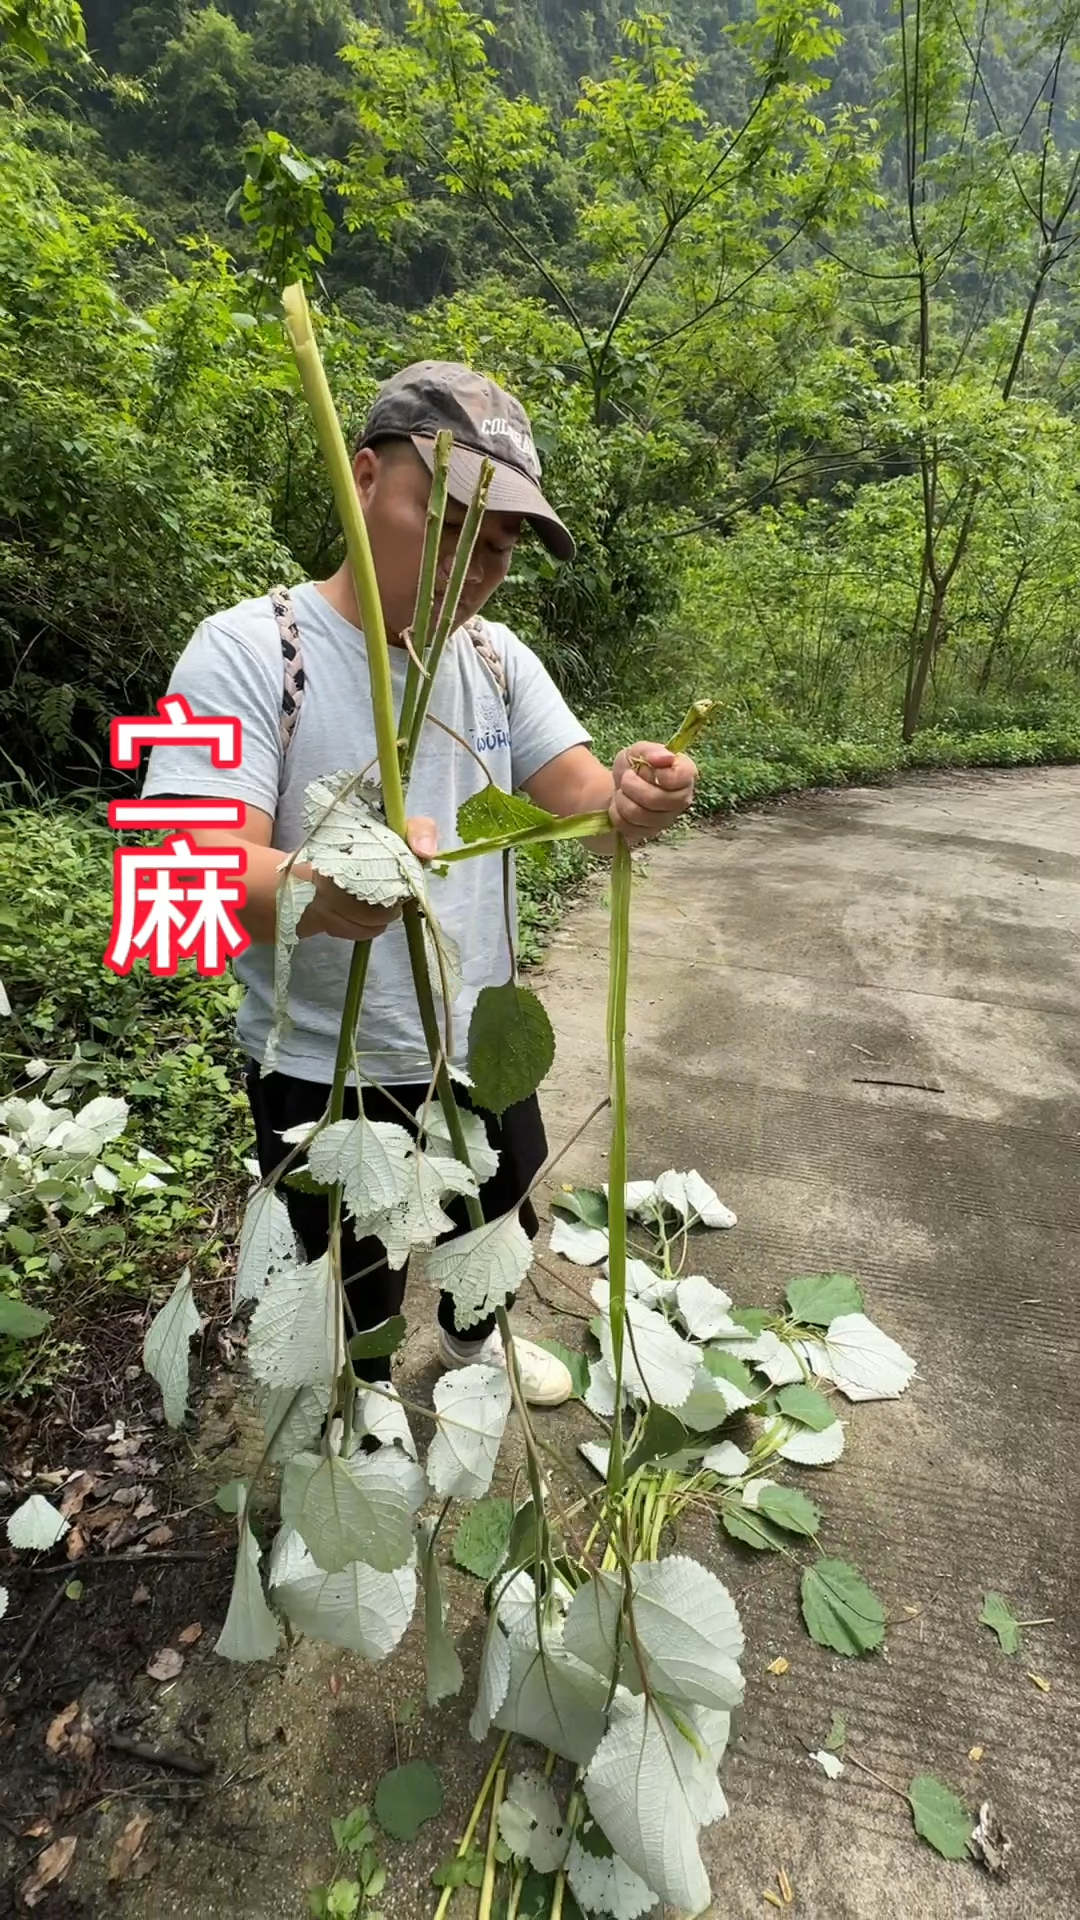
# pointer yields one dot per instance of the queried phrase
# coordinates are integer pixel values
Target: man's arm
(644, 792)
(332, 911)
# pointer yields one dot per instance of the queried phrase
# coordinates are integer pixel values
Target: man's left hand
(653, 786)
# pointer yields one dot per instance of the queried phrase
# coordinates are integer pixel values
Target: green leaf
(806, 1405)
(748, 1527)
(251, 1632)
(20, 1322)
(406, 1797)
(587, 1204)
(482, 1537)
(789, 1509)
(837, 1734)
(511, 1046)
(724, 1366)
(576, 1364)
(444, 1670)
(754, 1319)
(165, 1348)
(353, 1831)
(490, 814)
(356, 1509)
(230, 1497)
(815, 1299)
(375, 1342)
(662, 1435)
(464, 1870)
(24, 1243)
(997, 1613)
(839, 1609)
(940, 1818)
(521, 1546)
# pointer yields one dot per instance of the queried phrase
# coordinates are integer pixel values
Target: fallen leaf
(55, 1478)
(105, 1516)
(166, 1664)
(189, 1635)
(1043, 1685)
(778, 1666)
(78, 1490)
(70, 1735)
(76, 1543)
(49, 1868)
(829, 1763)
(159, 1537)
(976, 1754)
(787, 1891)
(144, 1509)
(73, 1590)
(988, 1842)
(37, 1829)
(334, 1685)
(129, 1844)
(140, 1596)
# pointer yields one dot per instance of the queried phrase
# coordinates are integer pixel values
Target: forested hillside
(790, 290)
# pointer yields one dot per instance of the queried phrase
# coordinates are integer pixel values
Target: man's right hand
(340, 914)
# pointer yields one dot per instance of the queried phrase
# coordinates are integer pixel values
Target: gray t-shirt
(233, 666)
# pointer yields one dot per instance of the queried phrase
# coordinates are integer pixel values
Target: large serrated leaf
(250, 1632)
(491, 813)
(806, 1406)
(35, 1525)
(703, 1308)
(347, 844)
(267, 1244)
(686, 1635)
(601, 1882)
(357, 1509)
(359, 1608)
(790, 1509)
(585, 1246)
(531, 1823)
(406, 1797)
(371, 1159)
(651, 1790)
(166, 1347)
(941, 1819)
(481, 1270)
(292, 1417)
(840, 1610)
(751, 1529)
(20, 1322)
(494, 1679)
(864, 1362)
(483, 1536)
(817, 1298)
(483, 1158)
(511, 1046)
(471, 1407)
(296, 1337)
(444, 1669)
(657, 1363)
(996, 1613)
(802, 1446)
(553, 1699)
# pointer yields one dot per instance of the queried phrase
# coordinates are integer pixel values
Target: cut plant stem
(463, 551)
(487, 1889)
(475, 1818)
(425, 591)
(621, 882)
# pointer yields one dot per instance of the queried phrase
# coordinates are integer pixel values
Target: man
(495, 695)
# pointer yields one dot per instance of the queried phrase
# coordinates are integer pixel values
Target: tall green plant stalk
(463, 553)
(618, 969)
(425, 591)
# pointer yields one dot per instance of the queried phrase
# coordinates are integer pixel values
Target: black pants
(374, 1290)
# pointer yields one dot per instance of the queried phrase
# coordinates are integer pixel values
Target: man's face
(394, 486)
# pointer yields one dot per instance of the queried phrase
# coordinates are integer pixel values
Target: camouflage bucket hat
(434, 396)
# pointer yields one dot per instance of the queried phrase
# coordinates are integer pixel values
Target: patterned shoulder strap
(292, 659)
(485, 647)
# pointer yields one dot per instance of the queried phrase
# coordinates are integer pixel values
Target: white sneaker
(545, 1381)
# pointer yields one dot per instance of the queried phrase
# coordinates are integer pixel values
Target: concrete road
(785, 968)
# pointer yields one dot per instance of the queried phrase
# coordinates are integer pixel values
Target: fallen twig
(38, 1629)
(160, 1756)
(876, 1080)
(75, 1567)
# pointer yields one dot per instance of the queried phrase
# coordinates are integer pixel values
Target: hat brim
(509, 492)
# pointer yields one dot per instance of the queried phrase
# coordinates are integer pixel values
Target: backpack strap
(292, 659)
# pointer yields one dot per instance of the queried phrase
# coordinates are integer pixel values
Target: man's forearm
(262, 878)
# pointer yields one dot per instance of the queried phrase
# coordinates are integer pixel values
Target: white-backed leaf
(444, 1670)
(647, 1286)
(483, 1158)
(640, 1198)
(779, 1362)
(603, 1883)
(356, 1509)
(355, 849)
(267, 1243)
(372, 1160)
(691, 1197)
(294, 897)
(3, 1601)
(494, 1679)
(472, 1407)
(481, 1270)
(289, 1559)
(807, 1449)
(250, 1632)
(866, 1363)
(381, 1416)
(531, 1823)
(754, 1489)
(600, 1392)
(555, 1700)
(99, 1121)
(650, 1790)
(657, 1363)
(585, 1246)
(292, 1417)
(687, 1640)
(166, 1347)
(296, 1337)
(710, 1402)
(728, 1460)
(703, 1308)
(597, 1456)
(36, 1525)
(419, 1220)
(829, 1763)
(359, 1608)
